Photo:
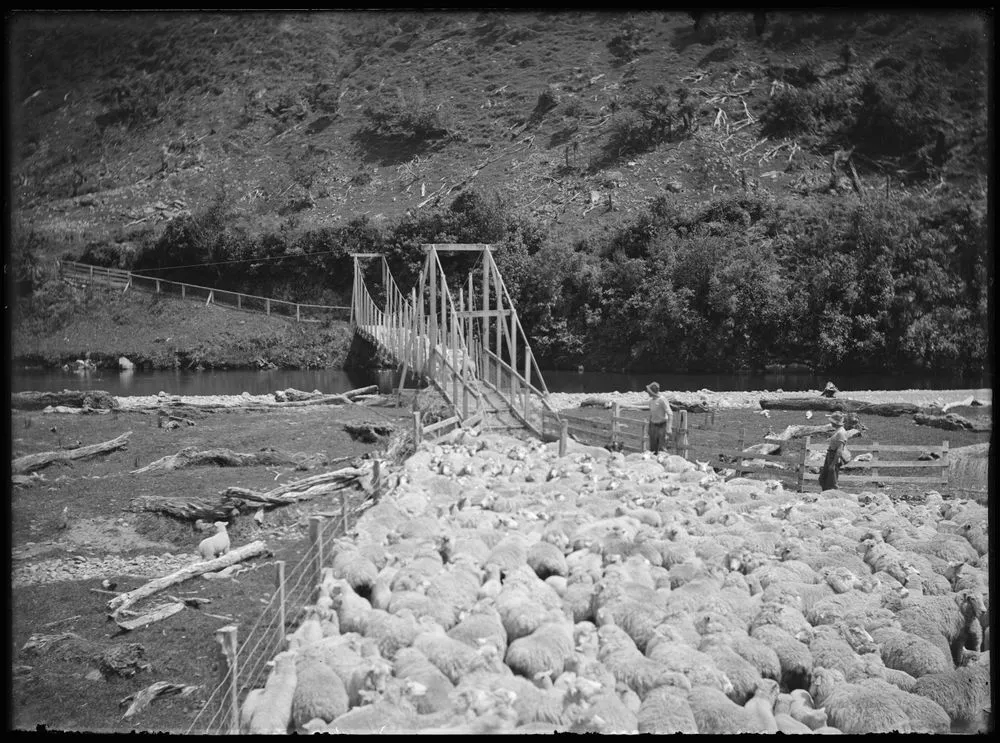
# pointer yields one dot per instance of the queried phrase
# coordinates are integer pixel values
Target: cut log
(292, 491)
(125, 600)
(31, 462)
(848, 406)
(189, 457)
(798, 432)
(161, 612)
(68, 398)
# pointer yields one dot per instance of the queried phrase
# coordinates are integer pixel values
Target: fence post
(739, 456)
(874, 460)
(377, 479)
(267, 306)
(563, 436)
(239, 301)
(183, 293)
(683, 432)
(279, 583)
(802, 465)
(615, 412)
(298, 315)
(418, 434)
(211, 296)
(316, 547)
(946, 470)
(226, 637)
(157, 286)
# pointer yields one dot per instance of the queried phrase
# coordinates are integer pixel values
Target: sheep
(319, 692)
(696, 666)
(909, 653)
(963, 693)
(784, 616)
(215, 545)
(665, 710)
(874, 706)
(391, 632)
(547, 649)
(798, 705)
(955, 618)
(357, 662)
(354, 567)
(794, 655)
(622, 658)
(412, 665)
(742, 674)
(606, 714)
(453, 657)
(546, 559)
(715, 713)
(761, 704)
(270, 712)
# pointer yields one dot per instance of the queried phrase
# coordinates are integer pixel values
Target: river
(234, 382)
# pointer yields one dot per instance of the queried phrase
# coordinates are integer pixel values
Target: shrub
(404, 115)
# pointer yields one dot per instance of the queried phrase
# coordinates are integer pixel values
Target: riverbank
(751, 399)
(566, 400)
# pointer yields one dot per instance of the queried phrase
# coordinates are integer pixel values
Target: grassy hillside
(135, 135)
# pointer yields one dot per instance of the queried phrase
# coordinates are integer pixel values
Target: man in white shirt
(660, 418)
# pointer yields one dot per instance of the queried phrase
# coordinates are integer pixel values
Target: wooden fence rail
(115, 278)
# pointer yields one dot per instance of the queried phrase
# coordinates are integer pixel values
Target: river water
(234, 382)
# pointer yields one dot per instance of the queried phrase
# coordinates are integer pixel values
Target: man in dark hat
(660, 418)
(835, 452)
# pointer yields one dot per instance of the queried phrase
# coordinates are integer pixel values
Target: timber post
(563, 436)
(683, 433)
(316, 548)
(418, 433)
(802, 465)
(279, 584)
(228, 668)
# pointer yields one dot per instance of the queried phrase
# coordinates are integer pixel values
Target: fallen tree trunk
(66, 410)
(190, 509)
(190, 457)
(31, 462)
(287, 493)
(369, 433)
(949, 422)
(125, 600)
(848, 406)
(235, 500)
(68, 398)
(161, 612)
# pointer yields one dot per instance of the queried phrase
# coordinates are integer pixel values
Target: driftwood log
(190, 457)
(141, 620)
(66, 410)
(67, 398)
(127, 599)
(949, 422)
(236, 500)
(848, 406)
(31, 462)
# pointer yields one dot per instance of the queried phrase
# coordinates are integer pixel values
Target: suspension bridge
(462, 337)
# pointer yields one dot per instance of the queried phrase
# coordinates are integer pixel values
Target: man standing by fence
(661, 417)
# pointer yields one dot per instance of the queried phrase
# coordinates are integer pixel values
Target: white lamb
(215, 545)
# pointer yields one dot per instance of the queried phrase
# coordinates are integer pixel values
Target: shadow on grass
(387, 149)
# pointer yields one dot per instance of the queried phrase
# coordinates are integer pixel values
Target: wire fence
(86, 275)
(245, 652)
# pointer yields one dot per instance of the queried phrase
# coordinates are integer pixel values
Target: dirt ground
(62, 688)
(58, 564)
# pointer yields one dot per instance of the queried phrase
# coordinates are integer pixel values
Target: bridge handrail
(510, 370)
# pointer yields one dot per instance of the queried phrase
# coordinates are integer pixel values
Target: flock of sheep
(500, 588)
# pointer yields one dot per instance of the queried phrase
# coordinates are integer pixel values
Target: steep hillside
(578, 123)
(126, 117)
